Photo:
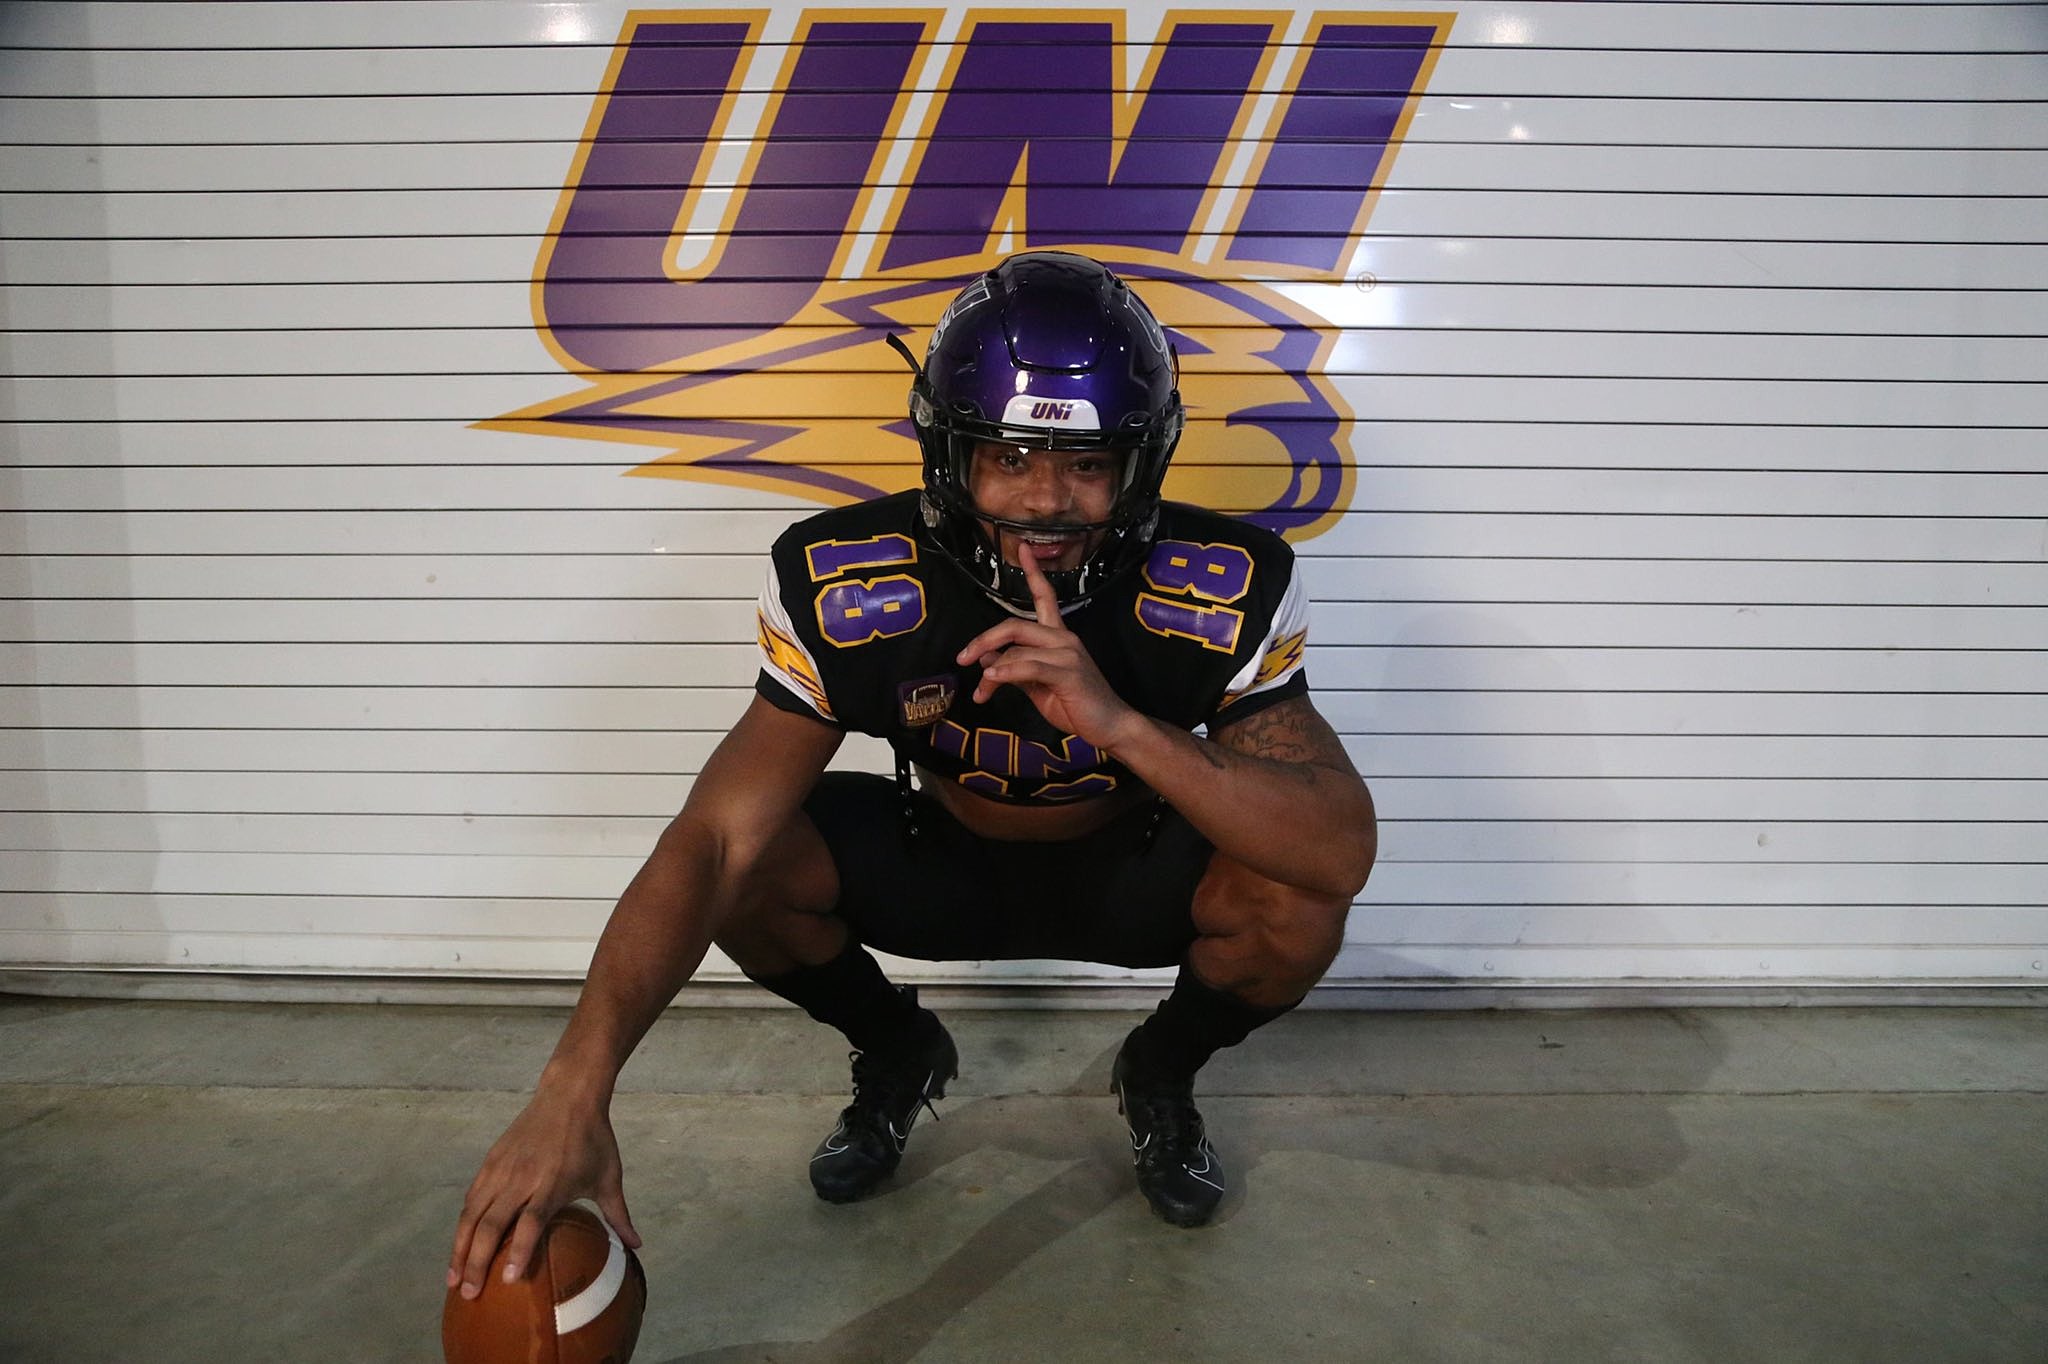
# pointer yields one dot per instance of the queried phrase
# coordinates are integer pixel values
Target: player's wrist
(579, 1083)
(1128, 735)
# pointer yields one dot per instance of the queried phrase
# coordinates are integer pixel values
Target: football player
(1037, 634)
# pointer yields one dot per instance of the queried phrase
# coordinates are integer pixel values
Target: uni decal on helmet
(732, 326)
(1076, 414)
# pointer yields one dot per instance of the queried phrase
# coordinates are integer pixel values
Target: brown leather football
(580, 1302)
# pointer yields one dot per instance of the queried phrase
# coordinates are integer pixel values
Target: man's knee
(1259, 930)
(1302, 934)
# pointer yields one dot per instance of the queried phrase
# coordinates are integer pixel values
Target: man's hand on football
(551, 1155)
(1047, 662)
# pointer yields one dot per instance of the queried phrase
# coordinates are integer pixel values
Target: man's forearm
(1301, 823)
(654, 941)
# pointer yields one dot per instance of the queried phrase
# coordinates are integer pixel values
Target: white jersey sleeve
(1281, 655)
(783, 655)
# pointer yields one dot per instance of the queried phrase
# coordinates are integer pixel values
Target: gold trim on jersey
(786, 657)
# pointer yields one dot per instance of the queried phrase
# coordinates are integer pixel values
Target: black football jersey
(862, 617)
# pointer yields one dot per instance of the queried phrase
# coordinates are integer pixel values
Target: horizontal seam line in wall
(585, 94)
(549, 466)
(664, 818)
(627, 421)
(1673, 944)
(637, 854)
(650, 598)
(1602, 822)
(1324, 691)
(1320, 645)
(907, 234)
(727, 372)
(1694, 944)
(1753, 605)
(1052, 139)
(1369, 466)
(59, 509)
(1303, 554)
(525, 328)
(202, 240)
(1439, 861)
(666, 815)
(1365, 734)
(1452, 906)
(880, 376)
(912, 234)
(929, 45)
(669, 774)
(693, 511)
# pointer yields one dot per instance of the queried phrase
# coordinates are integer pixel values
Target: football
(580, 1302)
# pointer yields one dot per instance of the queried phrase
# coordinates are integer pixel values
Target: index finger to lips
(1043, 598)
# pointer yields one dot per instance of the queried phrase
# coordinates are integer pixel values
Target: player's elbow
(690, 855)
(711, 850)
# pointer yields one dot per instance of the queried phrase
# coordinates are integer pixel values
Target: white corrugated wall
(1687, 615)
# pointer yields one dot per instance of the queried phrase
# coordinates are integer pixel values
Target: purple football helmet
(1048, 351)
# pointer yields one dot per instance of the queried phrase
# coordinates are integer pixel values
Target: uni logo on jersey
(753, 207)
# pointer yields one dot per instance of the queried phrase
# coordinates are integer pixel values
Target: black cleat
(1179, 1172)
(889, 1088)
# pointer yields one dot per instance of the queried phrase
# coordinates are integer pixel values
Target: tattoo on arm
(1292, 733)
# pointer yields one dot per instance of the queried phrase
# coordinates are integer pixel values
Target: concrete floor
(185, 1182)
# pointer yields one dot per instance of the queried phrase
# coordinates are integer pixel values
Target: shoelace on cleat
(879, 1092)
(1173, 1127)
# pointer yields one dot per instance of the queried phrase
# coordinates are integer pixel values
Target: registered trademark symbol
(1365, 281)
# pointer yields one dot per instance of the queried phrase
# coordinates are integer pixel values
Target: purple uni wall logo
(750, 213)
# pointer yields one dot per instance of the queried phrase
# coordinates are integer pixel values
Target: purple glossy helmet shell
(1049, 350)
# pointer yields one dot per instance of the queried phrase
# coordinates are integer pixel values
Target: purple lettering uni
(1012, 755)
(1038, 761)
(1331, 144)
(1050, 86)
(1042, 93)
(606, 295)
(1037, 92)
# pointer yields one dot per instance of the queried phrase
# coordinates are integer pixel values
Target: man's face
(1045, 488)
